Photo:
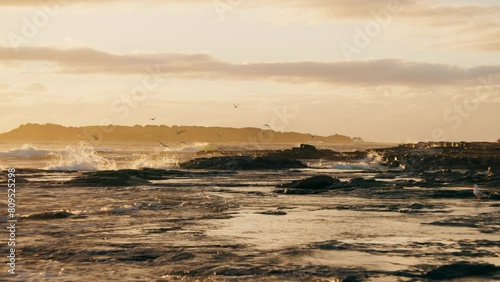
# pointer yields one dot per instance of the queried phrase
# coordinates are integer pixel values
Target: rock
(425, 156)
(242, 163)
(49, 215)
(309, 152)
(298, 191)
(417, 206)
(461, 270)
(315, 182)
(123, 177)
(273, 212)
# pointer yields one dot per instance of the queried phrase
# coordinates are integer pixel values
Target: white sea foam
(149, 161)
(192, 147)
(80, 157)
(27, 151)
(373, 161)
(374, 157)
(107, 150)
(356, 166)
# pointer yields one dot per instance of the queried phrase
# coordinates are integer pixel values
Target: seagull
(183, 143)
(312, 136)
(153, 118)
(164, 145)
(180, 131)
(218, 134)
(236, 105)
(267, 125)
(95, 137)
(478, 193)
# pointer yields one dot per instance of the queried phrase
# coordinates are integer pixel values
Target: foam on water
(356, 166)
(190, 148)
(374, 157)
(27, 151)
(81, 158)
(148, 161)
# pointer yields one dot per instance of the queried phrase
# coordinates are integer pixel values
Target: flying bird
(179, 132)
(95, 137)
(163, 145)
(267, 125)
(183, 143)
(218, 134)
(236, 105)
(153, 119)
(478, 193)
(312, 136)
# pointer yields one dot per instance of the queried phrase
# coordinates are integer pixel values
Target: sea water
(226, 226)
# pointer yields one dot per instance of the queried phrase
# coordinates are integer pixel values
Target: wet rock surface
(243, 163)
(49, 215)
(309, 152)
(461, 270)
(131, 177)
(315, 182)
(443, 155)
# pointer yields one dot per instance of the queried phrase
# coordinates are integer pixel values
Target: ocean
(129, 212)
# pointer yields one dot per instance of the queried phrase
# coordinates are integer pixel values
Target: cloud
(203, 66)
(435, 17)
(35, 87)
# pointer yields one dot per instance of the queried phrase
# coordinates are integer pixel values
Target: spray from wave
(190, 148)
(82, 158)
(373, 161)
(159, 162)
(27, 151)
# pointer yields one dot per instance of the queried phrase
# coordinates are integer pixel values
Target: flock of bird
(220, 135)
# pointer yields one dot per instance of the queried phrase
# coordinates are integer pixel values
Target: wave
(357, 166)
(27, 151)
(85, 158)
(80, 158)
(107, 150)
(191, 148)
(148, 161)
(374, 157)
(373, 161)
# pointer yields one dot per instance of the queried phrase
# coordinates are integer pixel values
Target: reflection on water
(234, 227)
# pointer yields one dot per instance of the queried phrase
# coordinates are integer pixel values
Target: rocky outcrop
(461, 270)
(242, 163)
(309, 152)
(127, 177)
(322, 183)
(315, 182)
(426, 156)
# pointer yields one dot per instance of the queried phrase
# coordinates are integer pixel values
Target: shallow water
(233, 227)
(181, 230)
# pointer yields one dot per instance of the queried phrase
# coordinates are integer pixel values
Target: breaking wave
(190, 148)
(27, 151)
(357, 166)
(80, 158)
(148, 161)
(373, 161)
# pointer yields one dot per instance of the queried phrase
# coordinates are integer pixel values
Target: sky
(383, 70)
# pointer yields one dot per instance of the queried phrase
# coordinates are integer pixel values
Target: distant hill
(166, 134)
